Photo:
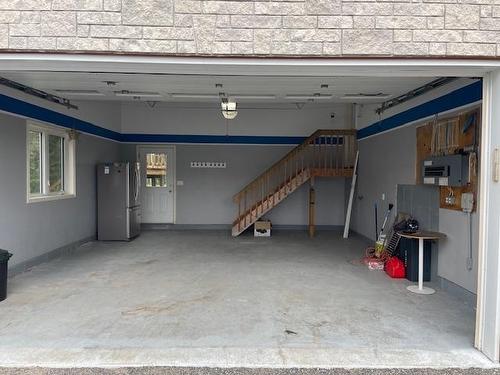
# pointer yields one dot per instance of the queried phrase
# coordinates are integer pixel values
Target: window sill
(48, 198)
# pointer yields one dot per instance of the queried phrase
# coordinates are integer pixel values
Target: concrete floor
(202, 298)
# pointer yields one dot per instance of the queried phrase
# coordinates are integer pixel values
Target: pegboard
(451, 135)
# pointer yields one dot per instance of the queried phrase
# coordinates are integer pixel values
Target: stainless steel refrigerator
(118, 201)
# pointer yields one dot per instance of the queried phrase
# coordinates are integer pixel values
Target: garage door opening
(198, 287)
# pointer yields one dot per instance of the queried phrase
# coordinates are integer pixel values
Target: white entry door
(158, 182)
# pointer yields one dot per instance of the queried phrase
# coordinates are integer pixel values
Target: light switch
(180, 182)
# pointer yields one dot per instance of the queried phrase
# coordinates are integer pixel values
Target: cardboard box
(262, 229)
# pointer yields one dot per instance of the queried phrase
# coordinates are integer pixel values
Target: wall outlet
(450, 200)
(208, 164)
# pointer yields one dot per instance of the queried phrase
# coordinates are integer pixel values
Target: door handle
(137, 183)
(496, 165)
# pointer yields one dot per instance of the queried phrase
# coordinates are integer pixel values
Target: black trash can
(4, 260)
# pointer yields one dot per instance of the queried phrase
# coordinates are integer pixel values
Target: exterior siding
(241, 27)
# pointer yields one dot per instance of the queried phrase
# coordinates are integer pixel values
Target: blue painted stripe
(33, 111)
(460, 97)
(36, 112)
(457, 98)
(181, 138)
(231, 139)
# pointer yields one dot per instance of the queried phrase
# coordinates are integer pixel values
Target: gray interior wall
(253, 119)
(422, 201)
(206, 196)
(387, 160)
(30, 230)
(453, 252)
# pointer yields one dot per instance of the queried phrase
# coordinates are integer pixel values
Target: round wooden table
(421, 236)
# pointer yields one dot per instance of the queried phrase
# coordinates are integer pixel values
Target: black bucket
(4, 260)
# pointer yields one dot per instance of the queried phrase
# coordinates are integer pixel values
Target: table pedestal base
(424, 290)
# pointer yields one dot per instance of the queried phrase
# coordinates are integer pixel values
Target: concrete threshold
(163, 370)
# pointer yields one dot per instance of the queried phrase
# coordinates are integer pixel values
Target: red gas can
(395, 268)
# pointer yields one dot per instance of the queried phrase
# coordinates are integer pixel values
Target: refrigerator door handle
(137, 183)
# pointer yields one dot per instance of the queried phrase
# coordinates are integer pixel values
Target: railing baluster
(296, 167)
(322, 151)
(239, 213)
(354, 150)
(337, 155)
(284, 185)
(263, 187)
(315, 156)
(246, 209)
(351, 150)
(318, 154)
(347, 143)
(330, 152)
(324, 158)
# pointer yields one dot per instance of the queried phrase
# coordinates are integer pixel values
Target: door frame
(488, 294)
(145, 147)
(487, 332)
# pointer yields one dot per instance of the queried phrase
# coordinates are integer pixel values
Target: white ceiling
(166, 86)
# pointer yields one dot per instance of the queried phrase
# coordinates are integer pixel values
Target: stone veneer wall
(242, 27)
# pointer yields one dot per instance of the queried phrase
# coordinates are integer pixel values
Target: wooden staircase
(326, 153)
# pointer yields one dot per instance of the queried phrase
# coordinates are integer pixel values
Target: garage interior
(197, 287)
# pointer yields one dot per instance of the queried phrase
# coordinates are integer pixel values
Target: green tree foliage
(34, 144)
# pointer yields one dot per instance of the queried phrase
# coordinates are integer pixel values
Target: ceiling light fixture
(134, 94)
(308, 97)
(363, 96)
(254, 97)
(194, 96)
(228, 107)
(79, 92)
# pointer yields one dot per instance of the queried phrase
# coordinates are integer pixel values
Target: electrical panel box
(448, 170)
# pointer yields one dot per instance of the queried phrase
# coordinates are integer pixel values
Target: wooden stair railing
(326, 153)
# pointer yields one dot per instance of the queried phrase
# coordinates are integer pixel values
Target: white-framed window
(50, 155)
